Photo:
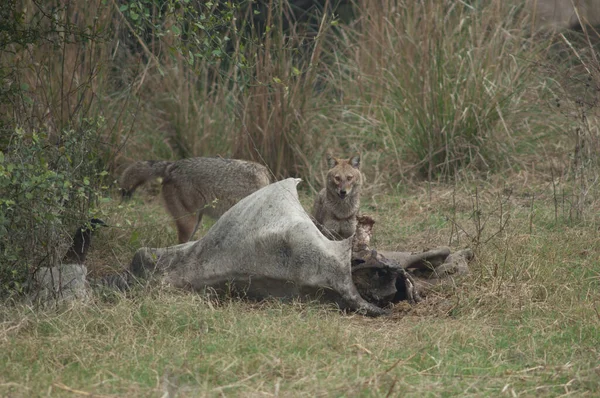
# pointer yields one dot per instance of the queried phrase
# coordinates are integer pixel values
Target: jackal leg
(184, 217)
(198, 221)
(185, 226)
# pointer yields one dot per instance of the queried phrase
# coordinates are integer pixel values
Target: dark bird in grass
(81, 242)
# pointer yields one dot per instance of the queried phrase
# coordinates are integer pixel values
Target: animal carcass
(265, 246)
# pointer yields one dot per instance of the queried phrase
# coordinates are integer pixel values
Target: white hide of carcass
(66, 282)
(264, 246)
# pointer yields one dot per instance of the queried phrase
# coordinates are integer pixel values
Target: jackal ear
(355, 162)
(332, 161)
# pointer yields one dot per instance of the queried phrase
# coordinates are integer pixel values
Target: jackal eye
(337, 178)
(349, 178)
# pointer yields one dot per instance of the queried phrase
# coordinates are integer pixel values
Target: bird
(67, 280)
(82, 239)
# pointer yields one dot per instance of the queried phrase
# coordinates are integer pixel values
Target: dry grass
(369, 86)
(437, 84)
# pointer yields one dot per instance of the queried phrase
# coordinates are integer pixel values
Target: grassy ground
(424, 92)
(524, 323)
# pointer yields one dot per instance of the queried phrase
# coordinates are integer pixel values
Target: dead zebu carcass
(387, 277)
(265, 246)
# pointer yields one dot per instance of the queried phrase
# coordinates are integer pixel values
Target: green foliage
(46, 189)
(223, 84)
(194, 30)
(50, 140)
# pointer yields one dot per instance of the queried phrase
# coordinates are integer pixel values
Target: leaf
(134, 238)
(133, 15)
(175, 29)
(124, 7)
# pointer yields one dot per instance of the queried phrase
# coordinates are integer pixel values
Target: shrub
(45, 190)
(50, 135)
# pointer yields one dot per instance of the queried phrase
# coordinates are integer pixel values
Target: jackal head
(344, 177)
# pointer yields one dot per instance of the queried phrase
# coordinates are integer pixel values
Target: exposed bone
(375, 272)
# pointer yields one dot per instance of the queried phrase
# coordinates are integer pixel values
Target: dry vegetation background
(475, 129)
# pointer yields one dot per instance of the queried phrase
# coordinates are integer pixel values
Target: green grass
(524, 323)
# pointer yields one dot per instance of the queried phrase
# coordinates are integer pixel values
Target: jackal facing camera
(197, 186)
(336, 206)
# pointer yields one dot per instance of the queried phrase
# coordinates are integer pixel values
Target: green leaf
(133, 15)
(175, 29)
(124, 7)
(134, 238)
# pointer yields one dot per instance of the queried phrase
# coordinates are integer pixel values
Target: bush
(50, 134)
(45, 191)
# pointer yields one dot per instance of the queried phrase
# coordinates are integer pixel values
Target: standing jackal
(336, 206)
(196, 186)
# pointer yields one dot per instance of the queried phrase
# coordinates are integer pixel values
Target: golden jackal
(336, 206)
(196, 186)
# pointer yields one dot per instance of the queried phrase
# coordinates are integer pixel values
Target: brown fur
(196, 186)
(336, 206)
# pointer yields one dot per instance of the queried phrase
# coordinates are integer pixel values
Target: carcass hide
(265, 246)
(387, 277)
